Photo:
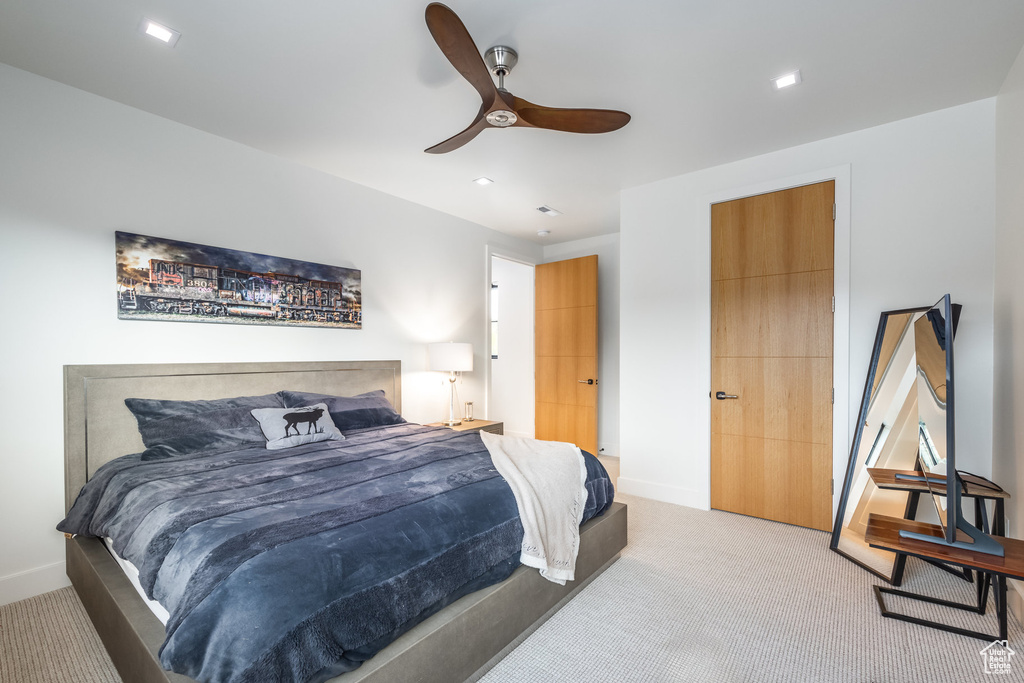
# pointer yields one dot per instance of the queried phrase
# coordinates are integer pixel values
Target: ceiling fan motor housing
(501, 59)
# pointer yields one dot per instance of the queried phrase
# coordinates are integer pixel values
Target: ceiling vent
(547, 210)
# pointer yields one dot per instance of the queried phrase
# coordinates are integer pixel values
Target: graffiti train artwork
(162, 279)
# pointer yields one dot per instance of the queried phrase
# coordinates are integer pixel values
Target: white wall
(921, 223)
(607, 249)
(512, 372)
(75, 167)
(1008, 414)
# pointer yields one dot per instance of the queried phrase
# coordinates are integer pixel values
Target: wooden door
(771, 345)
(566, 352)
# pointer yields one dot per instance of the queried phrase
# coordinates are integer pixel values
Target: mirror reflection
(888, 438)
(930, 348)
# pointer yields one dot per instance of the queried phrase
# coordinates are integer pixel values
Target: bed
(460, 642)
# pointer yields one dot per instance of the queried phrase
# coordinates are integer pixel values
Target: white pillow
(287, 427)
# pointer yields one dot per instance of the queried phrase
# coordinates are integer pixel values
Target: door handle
(721, 395)
(587, 381)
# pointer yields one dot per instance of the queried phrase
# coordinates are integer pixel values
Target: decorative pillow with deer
(287, 427)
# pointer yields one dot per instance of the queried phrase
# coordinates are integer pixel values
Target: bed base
(460, 643)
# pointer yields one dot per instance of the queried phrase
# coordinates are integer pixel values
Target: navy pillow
(171, 428)
(349, 412)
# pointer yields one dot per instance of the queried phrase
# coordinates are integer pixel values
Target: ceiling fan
(500, 108)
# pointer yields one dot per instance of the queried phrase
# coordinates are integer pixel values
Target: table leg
(999, 523)
(984, 581)
(1001, 606)
(998, 529)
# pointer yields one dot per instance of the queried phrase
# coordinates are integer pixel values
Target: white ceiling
(357, 88)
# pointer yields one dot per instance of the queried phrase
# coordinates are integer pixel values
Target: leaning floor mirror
(887, 437)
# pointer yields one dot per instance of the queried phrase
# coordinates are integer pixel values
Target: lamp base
(454, 416)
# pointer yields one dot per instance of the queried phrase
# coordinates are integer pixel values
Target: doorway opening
(511, 346)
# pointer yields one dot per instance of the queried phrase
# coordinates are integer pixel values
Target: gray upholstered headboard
(98, 427)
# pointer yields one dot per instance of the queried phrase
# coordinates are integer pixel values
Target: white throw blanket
(548, 479)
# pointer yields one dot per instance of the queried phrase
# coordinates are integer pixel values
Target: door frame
(840, 321)
(490, 252)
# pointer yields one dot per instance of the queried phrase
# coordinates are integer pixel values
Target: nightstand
(476, 426)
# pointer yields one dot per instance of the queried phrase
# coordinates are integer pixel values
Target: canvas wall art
(162, 279)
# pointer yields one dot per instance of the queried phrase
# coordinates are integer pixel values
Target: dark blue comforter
(300, 564)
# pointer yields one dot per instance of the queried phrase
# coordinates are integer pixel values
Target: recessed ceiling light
(160, 32)
(547, 210)
(543, 233)
(483, 181)
(787, 80)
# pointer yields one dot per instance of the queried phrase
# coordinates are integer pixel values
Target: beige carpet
(697, 596)
(49, 639)
(716, 597)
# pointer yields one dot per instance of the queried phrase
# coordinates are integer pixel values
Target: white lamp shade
(451, 356)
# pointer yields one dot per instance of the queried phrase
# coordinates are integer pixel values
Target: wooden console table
(884, 532)
(972, 488)
(981, 491)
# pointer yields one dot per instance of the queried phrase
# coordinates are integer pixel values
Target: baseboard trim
(663, 492)
(33, 582)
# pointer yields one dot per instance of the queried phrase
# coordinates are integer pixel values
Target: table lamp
(453, 358)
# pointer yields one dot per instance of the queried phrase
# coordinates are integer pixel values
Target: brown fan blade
(451, 36)
(459, 139)
(569, 120)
